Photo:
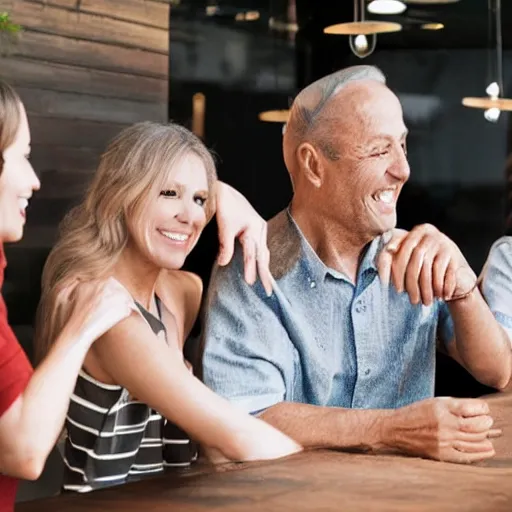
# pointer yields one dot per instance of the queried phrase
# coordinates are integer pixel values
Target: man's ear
(310, 164)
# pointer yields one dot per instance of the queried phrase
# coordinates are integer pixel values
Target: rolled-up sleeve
(497, 282)
(248, 357)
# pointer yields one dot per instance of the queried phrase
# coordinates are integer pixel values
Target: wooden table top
(317, 480)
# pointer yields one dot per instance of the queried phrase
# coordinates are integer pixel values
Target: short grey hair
(311, 101)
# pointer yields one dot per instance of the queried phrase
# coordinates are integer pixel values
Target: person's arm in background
(249, 359)
(33, 420)
(480, 344)
(496, 283)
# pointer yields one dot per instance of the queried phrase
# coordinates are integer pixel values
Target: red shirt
(15, 372)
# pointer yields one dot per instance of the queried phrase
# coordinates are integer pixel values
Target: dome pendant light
(493, 104)
(362, 32)
(386, 7)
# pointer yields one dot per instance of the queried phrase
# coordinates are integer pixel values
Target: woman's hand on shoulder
(236, 218)
(95, 307)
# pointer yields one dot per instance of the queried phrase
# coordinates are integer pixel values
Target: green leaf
(6, 25)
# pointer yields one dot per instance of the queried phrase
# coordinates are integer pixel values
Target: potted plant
(9, 33)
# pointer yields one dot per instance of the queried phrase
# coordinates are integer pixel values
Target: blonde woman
(33, 404)
(153, 193)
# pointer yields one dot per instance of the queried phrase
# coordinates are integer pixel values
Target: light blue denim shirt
(497, 282)
(318, 339)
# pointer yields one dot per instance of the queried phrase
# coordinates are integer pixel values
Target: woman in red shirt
(33, 404)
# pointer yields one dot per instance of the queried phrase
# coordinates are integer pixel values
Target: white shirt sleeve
(497, 282)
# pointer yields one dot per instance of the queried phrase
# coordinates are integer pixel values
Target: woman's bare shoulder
(180, 283)
(182, 289)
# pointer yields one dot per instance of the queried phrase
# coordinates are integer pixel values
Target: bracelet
(462, 296)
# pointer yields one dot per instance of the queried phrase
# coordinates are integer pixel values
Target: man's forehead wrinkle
(367, 107)
(348, 122)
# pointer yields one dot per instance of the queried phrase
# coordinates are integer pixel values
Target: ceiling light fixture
(247, 16)
(274, 116)
(432, 26)
(281, 26)
(386, 7)
(290, 25)
(359, 30)
(198, 112)
(211, 10)
(354, 28)
(493, 104)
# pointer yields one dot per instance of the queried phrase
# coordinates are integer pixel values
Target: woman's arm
(236, 218)
(32, 424)
(156, 374)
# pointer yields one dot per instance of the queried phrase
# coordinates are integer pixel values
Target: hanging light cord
(499, 46)
(359, 14)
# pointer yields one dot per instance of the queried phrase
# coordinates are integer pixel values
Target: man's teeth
(177, 237)
(386, 196)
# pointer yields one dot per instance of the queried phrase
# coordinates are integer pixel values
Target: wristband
(462, 296)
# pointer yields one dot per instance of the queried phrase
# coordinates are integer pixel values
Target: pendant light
(362, 33)
(198, 112)
(493, 104)
(275, 115)
(432, 26)
(386, 7)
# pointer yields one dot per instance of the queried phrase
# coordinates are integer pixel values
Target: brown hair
(10, 115)
(94, 233)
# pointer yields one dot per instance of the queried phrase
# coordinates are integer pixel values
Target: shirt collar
(318, 270)
(369, 261)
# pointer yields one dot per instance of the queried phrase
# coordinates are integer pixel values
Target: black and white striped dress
(112, 438)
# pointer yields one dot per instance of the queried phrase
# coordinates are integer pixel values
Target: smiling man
(342, 354)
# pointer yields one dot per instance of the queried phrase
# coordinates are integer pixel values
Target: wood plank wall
(84, 69)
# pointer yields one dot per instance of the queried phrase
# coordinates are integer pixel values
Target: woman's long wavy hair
(92, 236)
(10, 117)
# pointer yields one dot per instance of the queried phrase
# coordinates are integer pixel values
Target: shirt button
(360, 307)
(367, 371)
(312, 284)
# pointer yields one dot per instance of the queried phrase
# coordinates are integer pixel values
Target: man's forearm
(451, 429)
(482, 345)
(332, 427)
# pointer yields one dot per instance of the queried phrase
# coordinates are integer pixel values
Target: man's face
(362, 186)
